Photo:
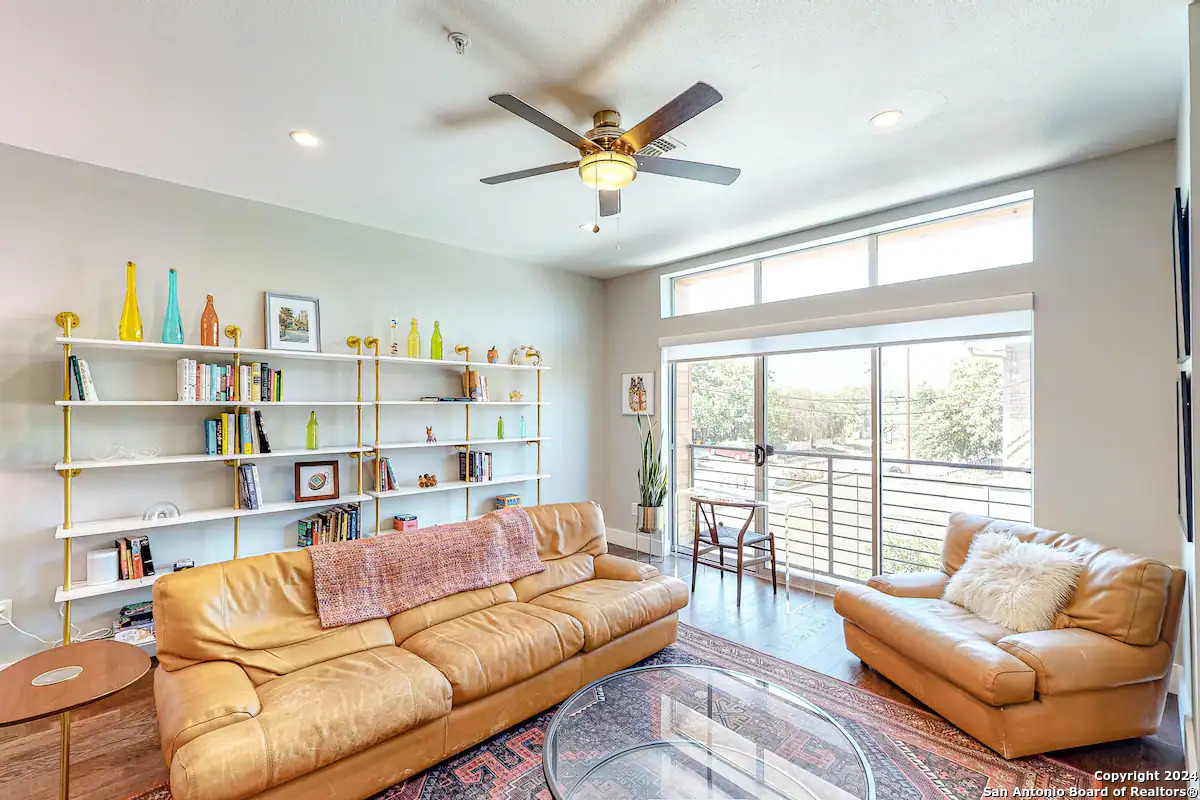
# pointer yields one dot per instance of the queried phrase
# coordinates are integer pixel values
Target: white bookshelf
(207, 403)
(455, 404)
(458, 443)
(198, 458)
(405, 491)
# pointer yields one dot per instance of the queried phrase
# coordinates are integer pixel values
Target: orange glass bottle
(210, 326)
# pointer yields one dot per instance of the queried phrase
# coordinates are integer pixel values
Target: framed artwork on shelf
(317, 480)
(637, 393)
(1183, 404)
(292, 322)
(1183, 277)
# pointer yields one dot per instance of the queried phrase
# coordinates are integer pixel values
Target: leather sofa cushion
(259, 612)
(609, 609)
(557, 574)
(491, 649)
(911, 584)
(1077, 660)
(564, 529)
(202, 698)
(1119, 594)
(415, 620)
(313, 717)
(945, 639)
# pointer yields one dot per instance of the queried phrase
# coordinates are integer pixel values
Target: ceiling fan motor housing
(607, 130)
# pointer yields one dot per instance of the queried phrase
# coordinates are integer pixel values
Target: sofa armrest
(1076, 660)
(198, 699)
(911, 584)
(615, 568)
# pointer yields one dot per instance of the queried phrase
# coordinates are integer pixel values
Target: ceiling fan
(609, 159)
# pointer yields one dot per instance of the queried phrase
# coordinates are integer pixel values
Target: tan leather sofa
(1100, 675)
(254, 699)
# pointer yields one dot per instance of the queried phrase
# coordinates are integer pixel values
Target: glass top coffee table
(690, 732)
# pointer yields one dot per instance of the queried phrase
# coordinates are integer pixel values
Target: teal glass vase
(172, 321)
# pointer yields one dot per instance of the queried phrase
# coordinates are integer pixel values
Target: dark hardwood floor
(115, 751)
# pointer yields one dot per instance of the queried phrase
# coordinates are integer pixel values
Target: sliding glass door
(864, 452)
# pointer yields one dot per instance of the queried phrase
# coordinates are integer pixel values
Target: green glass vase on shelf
(312, 436)
(131, 318)
(435, 344)
(172, 332)
(500, 428)
(414, 340)
(210, 326)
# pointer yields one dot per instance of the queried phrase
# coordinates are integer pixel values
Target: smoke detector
(460, 41)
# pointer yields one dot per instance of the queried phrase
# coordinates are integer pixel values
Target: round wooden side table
(61, 679)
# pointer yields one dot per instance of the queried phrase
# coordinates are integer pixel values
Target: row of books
(82, 379)
(250, 486)
(253, 383)
(385, 476)
(475, 466)
(231, 434)
(340, 524)
(133, 557)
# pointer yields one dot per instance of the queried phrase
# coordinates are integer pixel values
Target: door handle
(760, 455)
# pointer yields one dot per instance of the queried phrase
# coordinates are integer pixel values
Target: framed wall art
(637, 393)
(292, 322)
(317, 480)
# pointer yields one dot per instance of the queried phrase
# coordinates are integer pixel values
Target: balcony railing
(834, 537)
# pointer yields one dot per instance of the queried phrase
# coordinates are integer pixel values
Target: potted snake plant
(652, 478)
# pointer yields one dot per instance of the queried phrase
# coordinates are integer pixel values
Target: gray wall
(1104, 352)
(68, 228)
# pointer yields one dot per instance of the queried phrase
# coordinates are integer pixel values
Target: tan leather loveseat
(254, 699)
(1100, 675)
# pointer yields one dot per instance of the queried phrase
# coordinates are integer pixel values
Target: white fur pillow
(1020, 585)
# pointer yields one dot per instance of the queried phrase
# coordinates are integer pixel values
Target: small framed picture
(292, 323)
(637, 393)
(317, 480)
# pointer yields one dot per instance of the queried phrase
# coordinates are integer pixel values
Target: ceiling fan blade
(692, 170)
(687, 105)
(531, 114)
(610, 203)
(528, 173)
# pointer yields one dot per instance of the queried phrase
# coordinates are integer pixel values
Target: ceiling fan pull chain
(618, 231)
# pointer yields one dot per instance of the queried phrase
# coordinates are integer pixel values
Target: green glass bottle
(500, 429)
(131, 318)
(435, 344)
(414, 340)
(312, 439)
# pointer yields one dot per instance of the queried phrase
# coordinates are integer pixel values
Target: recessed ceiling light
(887, 119)
(305, 139)
(588, 227)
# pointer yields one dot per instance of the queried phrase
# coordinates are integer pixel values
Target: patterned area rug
(914, 755)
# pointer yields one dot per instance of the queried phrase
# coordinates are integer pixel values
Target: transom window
(994, 233)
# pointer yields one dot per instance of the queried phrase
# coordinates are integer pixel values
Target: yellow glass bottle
(414, 340)
(131, 318)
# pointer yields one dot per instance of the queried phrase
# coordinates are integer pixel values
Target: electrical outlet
(633, 509)
(5, 612)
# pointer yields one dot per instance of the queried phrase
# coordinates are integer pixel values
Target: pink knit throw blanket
(384, 575)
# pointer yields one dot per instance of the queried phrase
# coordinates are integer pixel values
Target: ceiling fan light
(607, 171)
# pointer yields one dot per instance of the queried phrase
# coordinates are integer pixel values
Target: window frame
(870, 234)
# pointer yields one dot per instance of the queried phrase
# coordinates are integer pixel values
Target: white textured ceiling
(203, 93)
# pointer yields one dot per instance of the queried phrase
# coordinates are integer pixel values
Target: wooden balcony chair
(723, 537)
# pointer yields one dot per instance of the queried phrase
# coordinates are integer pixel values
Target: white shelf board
(203, 403)
(429, 362)
(82, 589)
(159, 348)
(458, 443)
(200, 459)
(456, 404)
(451, 485)
(103, 527)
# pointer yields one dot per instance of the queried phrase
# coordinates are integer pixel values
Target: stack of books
(217, 383)
(250, 487)
(385, 478)
(135, 623)
(340, 524)
(82, 374)
(232, 434)
(475, 466)
(133, 558)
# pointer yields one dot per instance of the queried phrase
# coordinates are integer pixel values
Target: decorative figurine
(426, 481)
(131, 318)
(210, 326)
(515, 397)
(493, 355)
(429, 437)
(526, 354)
(172, 331)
